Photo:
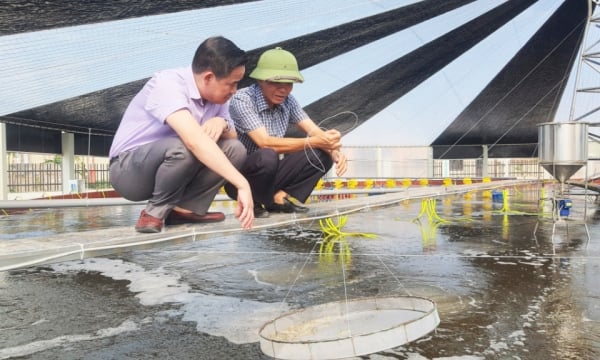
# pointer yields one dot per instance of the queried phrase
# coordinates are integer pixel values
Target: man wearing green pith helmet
(277, 166)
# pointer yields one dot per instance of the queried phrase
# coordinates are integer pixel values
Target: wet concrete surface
(505, 287)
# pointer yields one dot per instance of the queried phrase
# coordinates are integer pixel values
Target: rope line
(283, 301)
(395, 256)
(344, 130)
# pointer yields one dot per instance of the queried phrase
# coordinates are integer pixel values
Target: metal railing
(364, 163)
(518, 168)
(47, 177)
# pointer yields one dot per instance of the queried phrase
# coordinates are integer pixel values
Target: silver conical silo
(563, 148)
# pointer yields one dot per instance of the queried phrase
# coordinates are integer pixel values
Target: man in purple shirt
(176, 145)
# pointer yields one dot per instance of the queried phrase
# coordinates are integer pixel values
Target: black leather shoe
(260, 212)
(287, 207)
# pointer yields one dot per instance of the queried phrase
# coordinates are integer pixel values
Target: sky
(47, 66)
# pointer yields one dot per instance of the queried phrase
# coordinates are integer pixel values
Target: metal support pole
(68, 161)
(3, 164)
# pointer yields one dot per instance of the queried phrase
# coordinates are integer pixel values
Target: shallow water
(47, 222)
(504, 287)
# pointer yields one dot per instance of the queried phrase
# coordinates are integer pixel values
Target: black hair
(219, 55)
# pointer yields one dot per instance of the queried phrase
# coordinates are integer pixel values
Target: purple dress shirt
(165, 93)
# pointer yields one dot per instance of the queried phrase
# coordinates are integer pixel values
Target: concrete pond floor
(510, 281)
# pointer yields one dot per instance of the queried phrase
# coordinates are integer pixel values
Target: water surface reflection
(502, 291)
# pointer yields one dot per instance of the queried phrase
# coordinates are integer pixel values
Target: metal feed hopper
(563, 148)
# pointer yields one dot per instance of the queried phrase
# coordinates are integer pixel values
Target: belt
(112, 160)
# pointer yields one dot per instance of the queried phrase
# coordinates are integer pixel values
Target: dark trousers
(296, 174)
(167, 174)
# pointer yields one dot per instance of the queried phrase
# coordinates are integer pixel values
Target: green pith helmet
(277, 65)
